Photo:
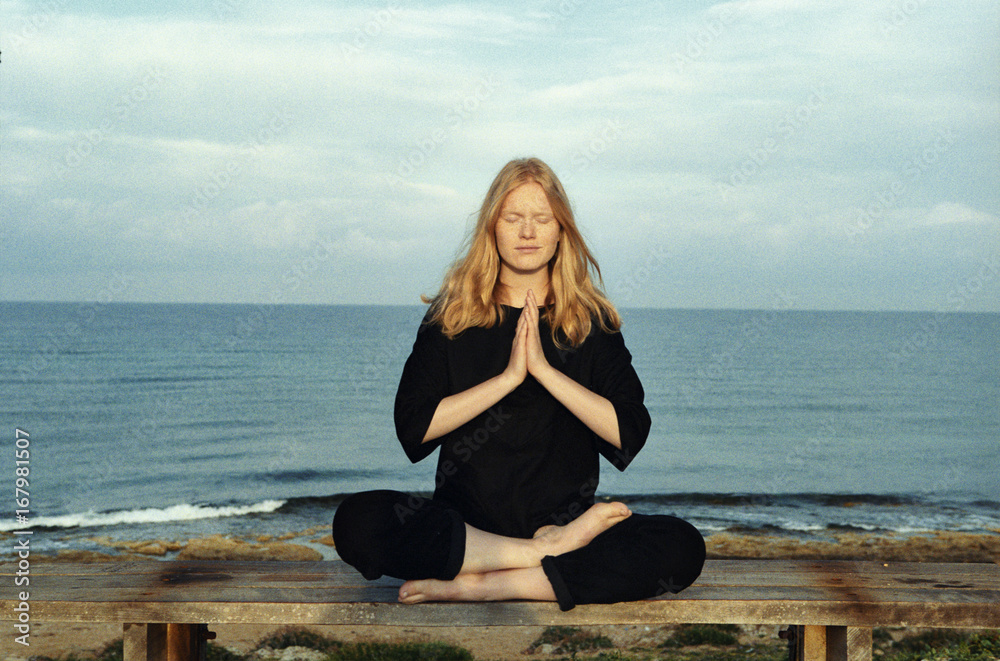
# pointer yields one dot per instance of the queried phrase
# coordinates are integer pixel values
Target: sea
(178, 421)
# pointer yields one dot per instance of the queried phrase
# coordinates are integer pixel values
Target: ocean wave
(315, 475)
(181, 512)
(776, 499)
(182, 379)
(796, 513)
(836, 502)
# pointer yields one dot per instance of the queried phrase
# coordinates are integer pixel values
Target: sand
(58, 639)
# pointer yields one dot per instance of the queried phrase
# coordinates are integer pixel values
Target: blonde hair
(471, 293)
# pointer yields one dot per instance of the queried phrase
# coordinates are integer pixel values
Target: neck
(515, 287)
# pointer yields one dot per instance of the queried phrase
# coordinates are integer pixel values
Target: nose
(527, 228)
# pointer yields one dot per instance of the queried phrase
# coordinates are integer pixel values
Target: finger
(523, 322)
(523, 329)
(535, 338)
(533, 335)
(531, 307)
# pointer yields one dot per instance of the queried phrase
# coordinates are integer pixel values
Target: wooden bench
(164, 606)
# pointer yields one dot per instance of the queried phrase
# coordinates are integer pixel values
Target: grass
(298, 637)
(946, 645)
(570, 640)
(338, 651)
(770, 652)
(215, 652)
(688, 635)
(718, 642)
(401, 652)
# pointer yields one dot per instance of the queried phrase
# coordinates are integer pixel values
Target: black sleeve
(616, 380)
(422, 386)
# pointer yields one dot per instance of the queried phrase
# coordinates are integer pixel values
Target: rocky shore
(309, 544)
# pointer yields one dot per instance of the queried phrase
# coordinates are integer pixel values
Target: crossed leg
(496, 568)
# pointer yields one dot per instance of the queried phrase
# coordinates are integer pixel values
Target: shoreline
(316, 544)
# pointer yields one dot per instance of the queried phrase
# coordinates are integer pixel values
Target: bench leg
(145, 642)
(821, 643)
(184, 642)
(165, 642)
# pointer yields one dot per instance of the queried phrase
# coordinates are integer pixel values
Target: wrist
(509, 380)
(543, 372)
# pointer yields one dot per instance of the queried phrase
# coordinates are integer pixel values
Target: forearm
(593, 410)
(455, 410)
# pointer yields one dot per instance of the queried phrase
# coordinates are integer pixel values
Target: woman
(520, 376)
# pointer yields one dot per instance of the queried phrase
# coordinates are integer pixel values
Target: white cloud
(951, 212)
(394, 121)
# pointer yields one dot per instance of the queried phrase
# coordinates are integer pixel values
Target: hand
(593, 410)
(535, 357)
(517, 366)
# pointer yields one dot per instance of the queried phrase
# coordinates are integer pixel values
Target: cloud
(204, 149)
(954, 213)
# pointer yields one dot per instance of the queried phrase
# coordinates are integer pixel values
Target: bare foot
(462, 588)
(579, 532)
(525, 583)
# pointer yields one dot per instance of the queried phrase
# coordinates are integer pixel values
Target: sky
(755, 154)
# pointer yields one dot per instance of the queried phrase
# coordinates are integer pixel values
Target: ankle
(544, 545)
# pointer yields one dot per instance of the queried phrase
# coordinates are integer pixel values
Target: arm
(597, 412)
(593, 410)
(455, 410)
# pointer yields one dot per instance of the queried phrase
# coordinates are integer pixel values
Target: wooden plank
(859, 644)
(732, 596)
(735, 567)
(844, 593)
(663, 611)
(236, 586)
(739, 568)
(814, 643)
(92, 589)
(749, 573)
(862, 574)
(44, 592)
(60, 593)
(755, 573)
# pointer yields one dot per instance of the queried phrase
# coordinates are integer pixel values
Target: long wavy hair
(471, 294)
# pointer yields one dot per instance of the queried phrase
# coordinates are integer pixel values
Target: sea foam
(180, 512)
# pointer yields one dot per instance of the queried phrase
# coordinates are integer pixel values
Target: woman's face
(527, 232)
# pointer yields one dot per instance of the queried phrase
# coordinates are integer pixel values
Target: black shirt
(527, 461)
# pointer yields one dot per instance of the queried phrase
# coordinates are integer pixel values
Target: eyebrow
(534, 215)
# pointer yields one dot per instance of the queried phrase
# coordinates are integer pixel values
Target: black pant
(404, 536)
